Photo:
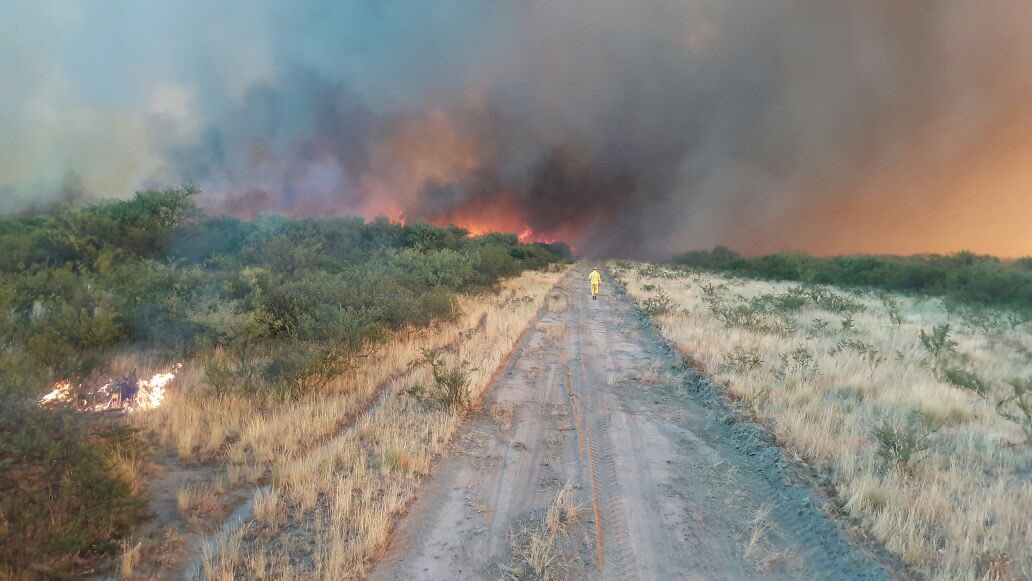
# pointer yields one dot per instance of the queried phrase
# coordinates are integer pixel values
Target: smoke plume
(626, 128)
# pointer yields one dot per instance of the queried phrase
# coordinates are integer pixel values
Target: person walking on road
(596, 281)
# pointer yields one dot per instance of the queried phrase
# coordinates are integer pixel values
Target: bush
(1017, 407)
(800, 362)
(657, 305)
(451, 385)
(741, 360)
(938, 342)
(892, 308)
(494, 262)
(789, 302)
(85, 281)
(62, 500)
(899, 444)
(965, 379)
(824, 298)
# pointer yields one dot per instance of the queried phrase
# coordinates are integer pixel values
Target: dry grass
(199, 504)
(538, 548)
(344, 464)
(268, 508)
(502, 413)
(651, 374)
(130, 556)
(823, 388)
(556, 303)
(555, 333)
(564, 512)
(758, 529)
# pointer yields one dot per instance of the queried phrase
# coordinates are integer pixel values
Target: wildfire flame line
(150, 394)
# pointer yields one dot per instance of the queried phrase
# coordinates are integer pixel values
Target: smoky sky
(627, 128)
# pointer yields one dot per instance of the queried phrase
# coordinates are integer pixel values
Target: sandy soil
(674, 484)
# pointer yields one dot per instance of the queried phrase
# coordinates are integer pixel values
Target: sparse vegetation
(450, 387)
(965, 379)
(760, 526)
(741, 360)
(1017, 407)
(656, 304)
(911, 409)
(541, 548)
(964, 277)
(900, 443)
(892, 309)
(938, 343)
(799, 362)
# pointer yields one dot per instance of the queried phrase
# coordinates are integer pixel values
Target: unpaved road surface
(671, 487)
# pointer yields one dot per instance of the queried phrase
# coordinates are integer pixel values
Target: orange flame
(62, 393)
(150, 394)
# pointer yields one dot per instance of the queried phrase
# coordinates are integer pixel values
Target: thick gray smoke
(639, 128)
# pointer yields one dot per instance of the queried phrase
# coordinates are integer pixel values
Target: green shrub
(800, 361)
(234, 373)
(451, 384)
(296, 368)
(494, 262)
(938, 342)
(892, 308)
(437, 304)
(746, 316)
(820, 327)
(855, 345)
(900, 444)
(658, 304)
(1017, 407)
(965, 379)
(81, 282)
(824, 298)
(741, 360)
(789, 302)
(848, 324)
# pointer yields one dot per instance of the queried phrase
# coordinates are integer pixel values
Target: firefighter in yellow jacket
(596, 281)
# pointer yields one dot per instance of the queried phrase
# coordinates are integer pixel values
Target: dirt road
(672, 486)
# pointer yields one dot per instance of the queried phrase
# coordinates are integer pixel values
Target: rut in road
(592, 397)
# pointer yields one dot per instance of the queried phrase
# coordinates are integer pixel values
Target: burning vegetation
(268, 311)
(126, 394)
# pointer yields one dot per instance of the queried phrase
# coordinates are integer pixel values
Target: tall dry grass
(344, 464)
(962, 509)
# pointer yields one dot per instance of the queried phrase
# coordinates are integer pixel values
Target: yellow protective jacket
(595, 277)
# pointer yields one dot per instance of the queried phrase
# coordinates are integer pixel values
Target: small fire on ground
(128, 394)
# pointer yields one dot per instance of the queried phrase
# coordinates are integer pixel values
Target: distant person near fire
(596, 282)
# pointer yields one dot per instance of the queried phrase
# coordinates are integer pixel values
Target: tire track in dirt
(672, 492)
(617, 555)
(614, 551)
